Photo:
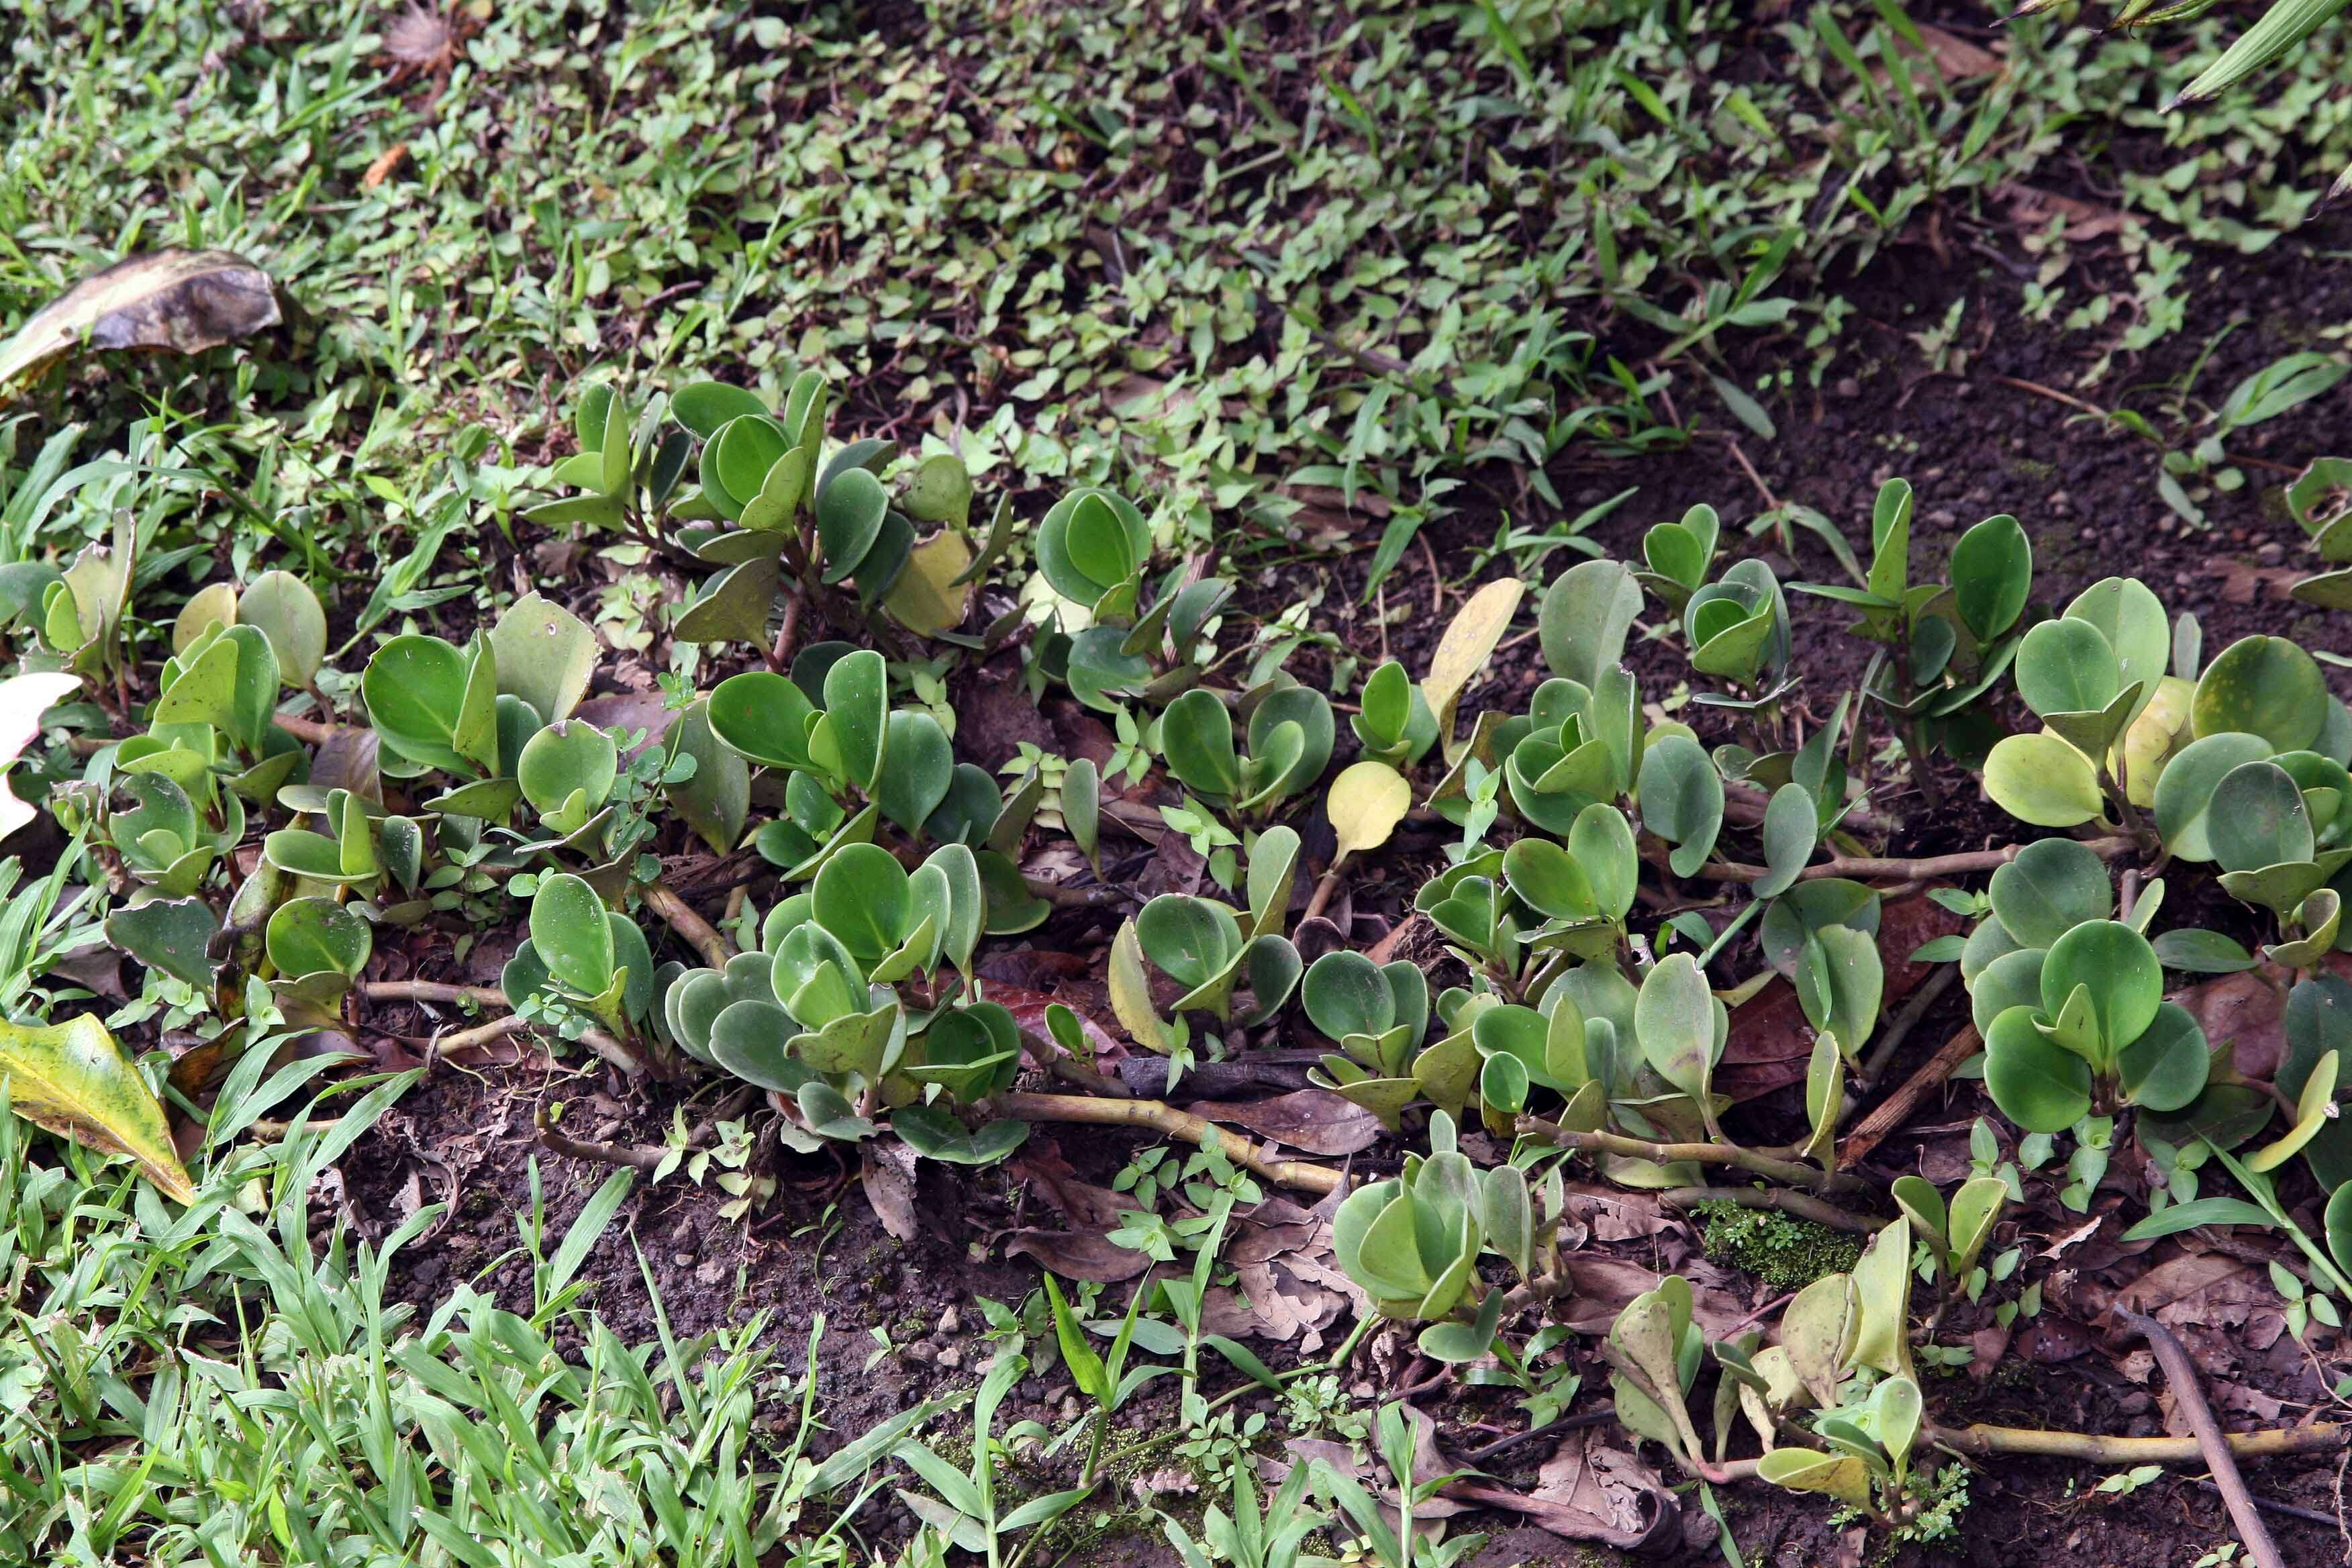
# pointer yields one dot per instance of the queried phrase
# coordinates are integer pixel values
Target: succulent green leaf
(2037, 1083)
(2042, 780)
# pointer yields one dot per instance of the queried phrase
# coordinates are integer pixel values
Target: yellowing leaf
(213, 605)
(929, 597)
(2153, 737)
(2313, 1109)
(1365, 803)
(1130, 991)
(1469, 642)
(72, 1078)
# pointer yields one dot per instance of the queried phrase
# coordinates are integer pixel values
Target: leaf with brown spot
(72, 1078)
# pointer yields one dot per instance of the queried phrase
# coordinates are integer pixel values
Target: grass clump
(1785, 1252)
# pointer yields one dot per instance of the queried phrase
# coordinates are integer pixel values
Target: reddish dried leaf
(1314, 1120)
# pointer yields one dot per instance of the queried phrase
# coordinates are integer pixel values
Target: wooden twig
(1899, 1027)
(1890, 1112)
(697, 932)
(637, 1156)
(623, 1057)
(1167, 1120)
(481, 1034)
(433, 991)
(1325, 886)
(1063, 897)
(2188, 1398)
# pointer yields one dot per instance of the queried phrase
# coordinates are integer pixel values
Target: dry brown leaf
(1084, 1204)
(1604, 1285)
(1314, 1120)
(2031, 207)
(1078, 1254)
(1275, 1301)
(2243, 581)
(2208, 1291)
(180, 301)
(887, 1173)
(1591, 1492)
(385, 163)
(1615, 1214)
(2246, 1013)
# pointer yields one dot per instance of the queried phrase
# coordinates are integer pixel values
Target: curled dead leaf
(1313, 1119)
(184, 301)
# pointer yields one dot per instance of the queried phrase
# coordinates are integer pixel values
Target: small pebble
(951, 1356)
(952, 1319)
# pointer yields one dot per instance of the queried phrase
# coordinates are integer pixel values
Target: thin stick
(632, 1064)
(482, 1034)
(637, 1156)
(1891, 1113)
(1779, 1200)
(1172, 1122)
(1900, 1028)
(1764, 1166)
(2188, 1398)
(699, 934)
(2309, 1515)
(433, 991)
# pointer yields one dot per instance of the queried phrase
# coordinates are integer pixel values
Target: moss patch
(1785, 1252)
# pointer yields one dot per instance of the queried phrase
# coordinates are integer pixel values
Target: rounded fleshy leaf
(2262, 686)
(1346, 994)
(318, 936)
(2125, 982)
(861, 895)
(2052, 886)
(2042, 780)
(2038, 1083)
(572, 935)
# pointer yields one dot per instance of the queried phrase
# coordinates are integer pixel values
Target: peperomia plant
(1943, 644)
(775, 507)
(2082, 1025)
(1413, 1242)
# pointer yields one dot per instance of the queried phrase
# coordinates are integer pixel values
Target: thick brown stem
(1063, 897)
(697, 932)
(1172, 1122)
(1324, 889)
(2189, 1399)
(1863, 866)
(1982, 1442)
(628, 1061)
(1764, 1166)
